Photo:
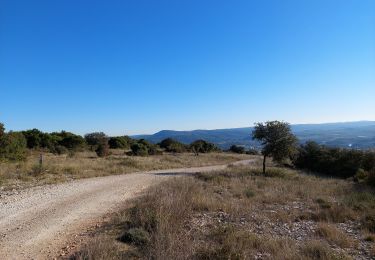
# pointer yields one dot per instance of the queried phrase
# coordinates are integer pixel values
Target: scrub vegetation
(239, 213)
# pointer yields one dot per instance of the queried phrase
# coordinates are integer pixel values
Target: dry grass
(315, 249)
(239, 214)
(330, 233)
(59, 168)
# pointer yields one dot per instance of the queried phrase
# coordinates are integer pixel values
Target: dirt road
(36, 223)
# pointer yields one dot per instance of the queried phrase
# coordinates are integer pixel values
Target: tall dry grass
(240, 214)
(59, 168)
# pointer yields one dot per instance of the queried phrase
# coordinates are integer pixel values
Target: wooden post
(264, 165)
(40, 162)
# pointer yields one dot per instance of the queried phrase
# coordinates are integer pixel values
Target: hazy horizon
(186, 130)
(125, 67)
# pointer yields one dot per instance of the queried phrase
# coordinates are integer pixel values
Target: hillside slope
(359, 135)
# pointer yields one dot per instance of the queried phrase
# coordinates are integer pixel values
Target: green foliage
(201, 146)
(136, 236)
(139, 149)
(2, 130)
(59, 149)
(144, 148)
(361, 175)
(249, 193)
(54, 142)
(172, 146)
(151, 148)
(334, 161)
(33, 138)
(277, 140)
(237, 149)
(103, 149)
(94, 139)
(13, 146)
(69, 140)
(120, 142)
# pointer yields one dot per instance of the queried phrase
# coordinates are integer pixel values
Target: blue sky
(126, 67)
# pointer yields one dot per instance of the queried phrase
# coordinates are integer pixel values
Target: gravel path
(35, 223)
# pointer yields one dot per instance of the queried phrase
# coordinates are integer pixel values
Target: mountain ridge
(358, 134)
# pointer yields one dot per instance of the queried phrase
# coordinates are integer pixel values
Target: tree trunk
(264, 165)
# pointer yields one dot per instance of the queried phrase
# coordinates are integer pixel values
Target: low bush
(95, 139)
(201, 146)
(120, 142)
(136, 236)
(103, 149)
(139, 149)
(249, 193)
(337, 162)
(69, 140)
(13, 146)
(172, 146)
(144, 148)
(237, 149)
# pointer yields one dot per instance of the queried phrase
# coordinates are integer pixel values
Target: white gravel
(36, 223)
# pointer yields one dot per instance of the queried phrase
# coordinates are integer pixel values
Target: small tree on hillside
(277, 140)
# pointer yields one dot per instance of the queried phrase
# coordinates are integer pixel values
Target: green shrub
(237, 149)
(249, 193)
(120, 142)
(144, 148)
(334, 161)
(69, 140)
(13, 146)
(201, 146)
(361, 175)
(136, 236)
(139, 149)
(37, 139)
(59, 149)
(33, 138)
(173, 146)
(94, 139)
(103, 149)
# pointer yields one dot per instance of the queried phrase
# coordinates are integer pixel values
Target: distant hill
(358, 135)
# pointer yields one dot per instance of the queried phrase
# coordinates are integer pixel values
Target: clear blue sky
(126, 67)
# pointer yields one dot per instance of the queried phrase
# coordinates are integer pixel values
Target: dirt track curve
(36, 223)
